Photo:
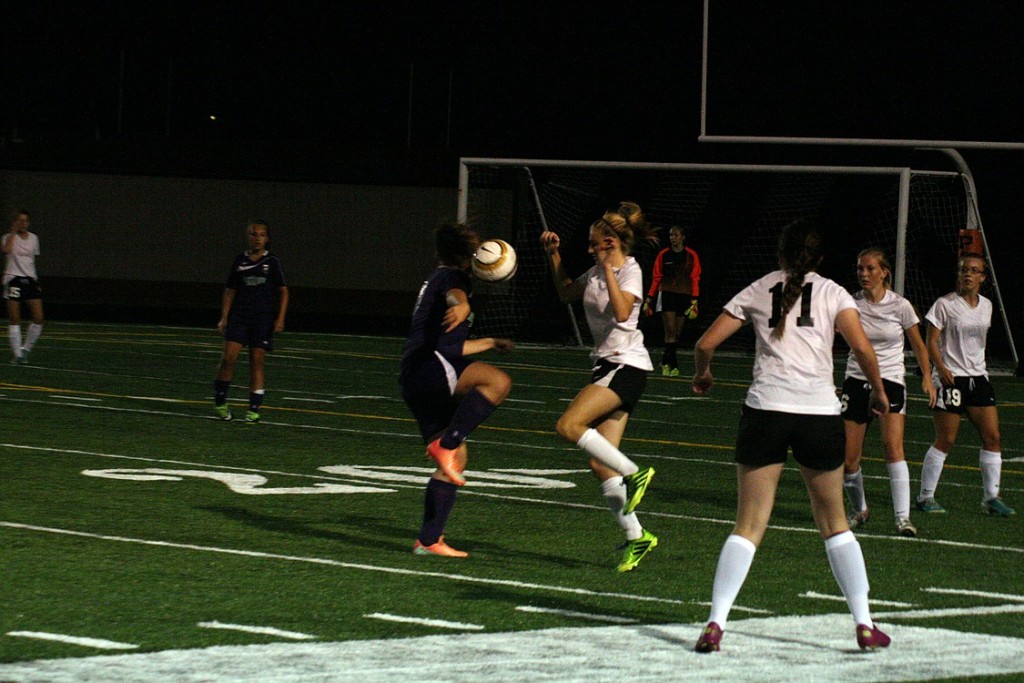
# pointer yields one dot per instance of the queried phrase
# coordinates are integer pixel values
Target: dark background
(394, 92)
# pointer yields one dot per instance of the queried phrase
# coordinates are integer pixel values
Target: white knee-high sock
(733, 564)
(930, 472)
(614, 491)
(847, 562)
(34, 330)
(853, 484)
(991, 472)
(600, 449)
(14, 337)
(899, 484)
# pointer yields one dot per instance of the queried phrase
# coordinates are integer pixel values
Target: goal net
(733, 213)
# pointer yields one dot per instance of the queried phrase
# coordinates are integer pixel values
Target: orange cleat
(439, 548)
(446, 461)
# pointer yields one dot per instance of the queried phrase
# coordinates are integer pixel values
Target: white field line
(436, 623)
(839, 598)
(263, 630)
(467, 490)
(577, 615)
(975, 594)
(950, 612)
(76, 398)
(458, 578)
(159, 399)
(308, 400)
(98, 643)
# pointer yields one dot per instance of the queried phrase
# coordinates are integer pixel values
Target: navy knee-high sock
(220, 391)
(472, 410)
(437, 506)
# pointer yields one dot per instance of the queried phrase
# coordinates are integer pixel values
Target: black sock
(437, 505)
(473, 409)
(220, 391)
(670, 354)
(255, 401)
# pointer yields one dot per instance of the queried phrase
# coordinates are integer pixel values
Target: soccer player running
(448, 393)
(959, 326)
(596, 419)
(676, 283)
(791, 403)
(886, 317)
(248, 318)
(21, 285)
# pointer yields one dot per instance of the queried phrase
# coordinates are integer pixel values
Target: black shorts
(673, 302)
(966, 392)
(22, 289)
(856, 393)
(626, 381)
(428, 389)
(256, 332)
(818, 441)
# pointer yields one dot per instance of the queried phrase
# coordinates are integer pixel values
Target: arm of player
(567, 289)
(472, 346)
(282, 309)
(458, 309)
(848, 324)
(923, 362)
(935, 355)
(725, 326)
(225, 308)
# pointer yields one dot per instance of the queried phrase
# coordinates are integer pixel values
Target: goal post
(734, 214)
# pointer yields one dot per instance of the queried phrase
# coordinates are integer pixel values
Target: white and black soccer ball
(494, 261)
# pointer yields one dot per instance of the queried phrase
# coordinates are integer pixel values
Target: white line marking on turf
(577, 615)
(364, 567)
(951, 612)
(159, 399)
(436, 623)
(263, 630)
(98, 643)
(308, 400)
(76, 398)
(975, 594)
(840, 598)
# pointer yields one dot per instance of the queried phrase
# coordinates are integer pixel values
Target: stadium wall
(120, 247)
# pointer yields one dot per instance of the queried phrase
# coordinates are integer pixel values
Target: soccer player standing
(248, 318)
(791, 403)
(21, 285)
(676, 282)
(448, 393)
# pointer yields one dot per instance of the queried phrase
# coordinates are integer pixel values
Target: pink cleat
(446, 461)
(439, 548)
(711, 637)
(871, 638)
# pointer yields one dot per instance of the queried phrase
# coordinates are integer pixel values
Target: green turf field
(138, 533)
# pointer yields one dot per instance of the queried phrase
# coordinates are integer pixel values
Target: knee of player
(569, 430)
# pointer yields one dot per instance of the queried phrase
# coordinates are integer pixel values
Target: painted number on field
(504, 479)
(246, 484)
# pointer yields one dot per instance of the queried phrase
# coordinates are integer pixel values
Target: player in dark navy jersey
(448, 393)
(249, 318)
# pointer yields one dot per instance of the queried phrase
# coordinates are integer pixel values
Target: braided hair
(799, 253)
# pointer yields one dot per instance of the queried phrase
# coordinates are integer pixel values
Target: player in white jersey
(956, 343)
(611, 291)
(886, 317)
(21, 285)
(791, 404)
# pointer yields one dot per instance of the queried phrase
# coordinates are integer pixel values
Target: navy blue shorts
(765, 436)
(428, 388)
(22, 289)
(966, 392)
(674, 302)
(855, 402)
(255, 332)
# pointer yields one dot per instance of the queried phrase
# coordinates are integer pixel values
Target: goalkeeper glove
(691, 312)
(646, 308)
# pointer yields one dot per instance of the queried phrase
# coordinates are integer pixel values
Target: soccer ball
(495, 261)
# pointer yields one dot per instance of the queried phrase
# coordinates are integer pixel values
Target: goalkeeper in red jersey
(676, 284)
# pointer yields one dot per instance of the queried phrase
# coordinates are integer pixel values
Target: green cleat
(636, 486)
(996, 507)
(223, 412)
(929, 505)
(251, 417)
(636, 550)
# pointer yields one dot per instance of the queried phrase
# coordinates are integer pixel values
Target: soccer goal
(734, 213)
